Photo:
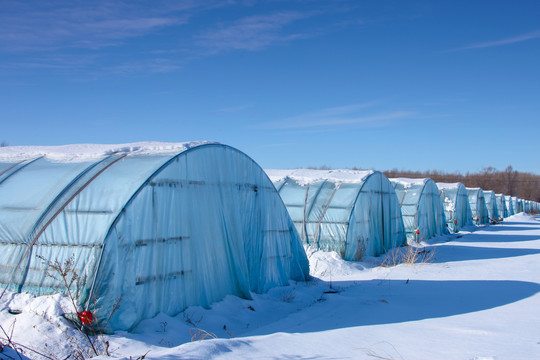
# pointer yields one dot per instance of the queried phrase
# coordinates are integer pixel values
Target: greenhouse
(518, 206)
(421, 207)
(509, 205)
(491, 203)
(479, 210)
(501, 205)
(162, 226)
(355, 213)
(456, 205)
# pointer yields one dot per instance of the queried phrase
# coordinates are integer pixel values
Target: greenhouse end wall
(353, 213)
(422, 208)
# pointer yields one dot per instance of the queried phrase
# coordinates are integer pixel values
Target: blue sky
(447, 85)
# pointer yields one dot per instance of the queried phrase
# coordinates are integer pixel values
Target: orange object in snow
(86, 316)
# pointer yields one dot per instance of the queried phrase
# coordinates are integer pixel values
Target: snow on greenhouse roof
(308, 176)
(447, 185)
(89, 152)
(408, 182)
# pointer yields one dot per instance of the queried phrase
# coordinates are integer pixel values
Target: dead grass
(200, 334)
(408, 255)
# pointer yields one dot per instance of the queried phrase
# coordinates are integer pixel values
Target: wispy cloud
(32, 32)
(337, 117)
(253, 33)
(507, 41)
(39, 26)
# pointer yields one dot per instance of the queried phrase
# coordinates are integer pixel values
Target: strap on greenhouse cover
(324, 212)
(16, 168)
(11, 167)
(58, 212)
(304, 234)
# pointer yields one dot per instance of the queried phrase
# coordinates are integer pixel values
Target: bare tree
(508, 182)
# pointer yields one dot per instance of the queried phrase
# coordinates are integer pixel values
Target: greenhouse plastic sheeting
(479, 208)
(518, 205)
(515, 205)
(160, 231)
(456, 205)
(501, 205)
(491, 204)
(353, 213)
(421, 207)
(509, 205)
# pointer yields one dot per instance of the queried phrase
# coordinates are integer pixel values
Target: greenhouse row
(164, 226)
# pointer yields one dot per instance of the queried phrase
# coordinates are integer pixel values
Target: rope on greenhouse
(11, 167)
(59, 211)
(304, 234)
(324, 212)
(405, 191)
(6, 174)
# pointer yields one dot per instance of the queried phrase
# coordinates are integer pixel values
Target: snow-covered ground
(477, 297)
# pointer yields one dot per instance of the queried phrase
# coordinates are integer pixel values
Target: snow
(308, 176)
(408, 183)
(89, 152)
(441, 185)
(478, 297)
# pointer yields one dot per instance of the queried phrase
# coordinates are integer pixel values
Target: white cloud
(506, 41)
(39, 26)
(343, 116)
(253, 33)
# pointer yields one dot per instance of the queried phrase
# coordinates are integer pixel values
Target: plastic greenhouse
(520, 204)
(491, 203)
(501, 205)
(516, 203)
(479, 208)
(354, 213)
(456, 205)
(526, 206)
(509, 205)
(422, 208)
(162, 225)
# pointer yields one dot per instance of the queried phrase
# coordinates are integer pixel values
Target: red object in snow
(455, 221)
(86, 316)
(417, 232)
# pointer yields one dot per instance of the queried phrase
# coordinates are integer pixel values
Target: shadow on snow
(379, 302)
(512, 227)
(450, 252)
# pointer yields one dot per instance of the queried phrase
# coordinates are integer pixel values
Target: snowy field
(476, 297)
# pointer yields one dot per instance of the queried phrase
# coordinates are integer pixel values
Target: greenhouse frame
(162, 226)
(421, 207)
(354, 213)
(478, 205)
(456, 205)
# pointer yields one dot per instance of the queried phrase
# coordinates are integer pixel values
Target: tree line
(508, 181)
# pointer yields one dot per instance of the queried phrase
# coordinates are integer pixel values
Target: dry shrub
(91, 341)
(408, 255)
(200, 334)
